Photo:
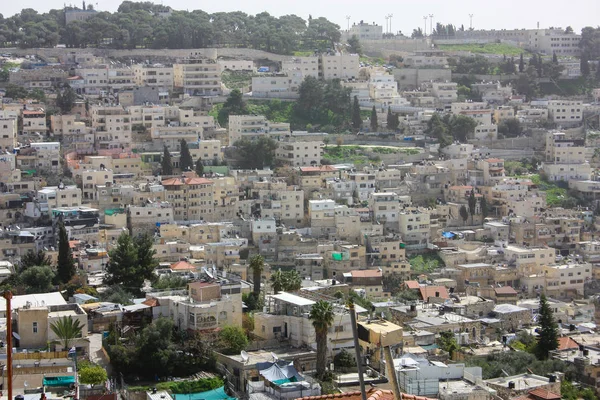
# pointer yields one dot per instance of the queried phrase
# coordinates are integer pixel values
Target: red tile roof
(367, 273)
(494, 160)
(412, 284)
(186, 181)
(505, 290)
(151, 302)
(372, 394)
(182, 266)
(544, 394)
(566, 343)
(430, 291)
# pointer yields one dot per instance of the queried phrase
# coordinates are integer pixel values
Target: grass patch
(303, 53)
(566, 87)
(557, 194)
(345, 154)
(487, 48)
(236, 79)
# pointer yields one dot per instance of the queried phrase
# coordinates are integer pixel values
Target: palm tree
(292, 281)
(321, 315)
(66, 330)
(257, 265)
(277, 281)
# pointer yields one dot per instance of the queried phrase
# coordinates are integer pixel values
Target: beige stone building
(192, 198)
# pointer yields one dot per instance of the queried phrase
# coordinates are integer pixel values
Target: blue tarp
(448, 235)
(58, 381)
(215, 394)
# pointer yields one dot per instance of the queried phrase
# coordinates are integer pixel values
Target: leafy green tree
(233, 339)
(234, 105)
(257, 266)
(66, 329)
(131, 263)
(92, 375)
(65, 270)
(116, 294)
(510, 127)
(354, 44)
(464, 214)
(448, 343)
(548, 331)
(155, 351)
(417, 33)
(344, 359)
(166, 162)
(185, 158)
(199, 167)
(321, 315)
(65, 100)
(256, 154)
(472, 203)
(374, 119)
(584, 65)
(35, 258)
(461, 127)
(37, 279)
(356, 118)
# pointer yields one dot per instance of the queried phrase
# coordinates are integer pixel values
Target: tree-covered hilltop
(149, 25)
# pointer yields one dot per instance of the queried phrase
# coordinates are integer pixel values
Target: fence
(41, 355)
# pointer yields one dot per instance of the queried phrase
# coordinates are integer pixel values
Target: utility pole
(348, 19)
(9, 365)
(390, 18)
(386, 23)
(361, 378)
(425, 31)
(431, 23)
(470, 21)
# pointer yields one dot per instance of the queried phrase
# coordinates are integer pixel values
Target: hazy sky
(407, 14)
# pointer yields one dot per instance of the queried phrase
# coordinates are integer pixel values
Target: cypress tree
(548, 332)
(65, 269)
(186, 162)
(356, 119)
(521, 64)
(390, 118)
(199, 167)
(374, 119)
(166, 163)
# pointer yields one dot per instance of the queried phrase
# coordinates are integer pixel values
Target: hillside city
(229, 206)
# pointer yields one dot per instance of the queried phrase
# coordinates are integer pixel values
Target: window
(35, 327)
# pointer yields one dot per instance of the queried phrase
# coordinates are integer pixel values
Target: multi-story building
(198, 77)
(154, 75)
(254, 126)
(147, 218)
(307, 66)
(365, 31)
(34, 121)
(321, 214)
(8, 133)
(192, 199)
(300, 154)
(339, 66)
(112, 126)
(279, 86)
(414, 227)
(445, 92)
(566, 112)
(554, 40)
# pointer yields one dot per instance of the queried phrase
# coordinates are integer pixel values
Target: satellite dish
(16, 335)
(245, 356)
(275, 358)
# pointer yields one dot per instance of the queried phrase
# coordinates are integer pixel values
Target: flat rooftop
(522, 382)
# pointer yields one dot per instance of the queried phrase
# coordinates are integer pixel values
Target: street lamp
(386, 23)
(425, 31)
(431, 23)
(348, 19)
(470, 21)
(390, 19)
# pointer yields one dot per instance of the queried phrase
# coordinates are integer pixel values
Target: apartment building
(364, 184)
(8, 133)
(339, 66)
(279, 86)
(204, 307)
(445, 92)
(502, 113)
(237, 65)
(321, 214)
(560, 149)
(34, 121)
(565, 112)
(365, 31)
(299, 153)
(198, 77)
(92, 178)
(148, 218)
(307, 66)
(154, 75)
(94, 80)
(112, 126)
(254, 126)
(192, 199)
(119, 78)
(385, 207)
(280, 202)
(414, 227)
(554, 40)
